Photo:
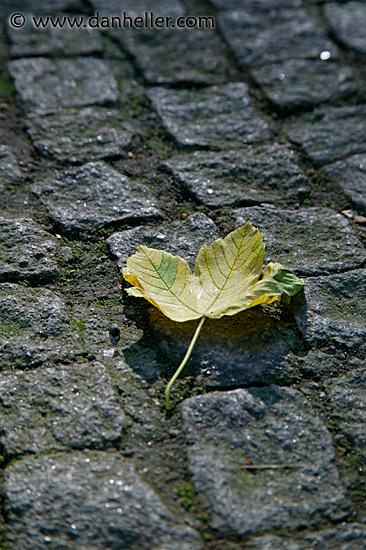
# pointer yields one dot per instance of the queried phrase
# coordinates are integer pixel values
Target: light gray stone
(93, 196)
(76, 135)
(298, 83)
(26, 251)
(330, 133)
(217, 116)
(347, 536)
(45, 84)
(59, 407)
(260, 37)
(348, 22)
(336, 309)
(309, 241)
(65, 40)
(295, 482)
(350, 174)
(34, 327)
(193, 56)
(183, 238)
(87, 500)
(253, 175)
(347, 397)
(10, 173)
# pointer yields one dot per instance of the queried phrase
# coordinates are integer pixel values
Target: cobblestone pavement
(171, 138)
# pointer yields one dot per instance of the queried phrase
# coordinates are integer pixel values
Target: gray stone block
(348, 22)
(253, 175)
(350, 174)
(217, 116)
(59, 407)
(295, 482)
(87, 500)
(10, 173)
(94, 196)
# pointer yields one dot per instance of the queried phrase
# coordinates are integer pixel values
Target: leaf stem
(183, 364)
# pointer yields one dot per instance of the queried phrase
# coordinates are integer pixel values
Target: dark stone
(259, 37)
(255, 5)
(350, 174)
(46, 7)
(309, 241)
(183, 238)
(34, 327)
(330, 133)
(230, 432)
(94, 196)
(55, 408)
(299, 83)
(254, 175)
(217, 116)
(114, 334)
(87, 500)
(10, 173)
(29, 41)
(26, 251)
(45, 84)
(190, 55)
(348, 22)
(133, 8)
(347, 397)
(351, 536)
(76, 135)
(336, 310)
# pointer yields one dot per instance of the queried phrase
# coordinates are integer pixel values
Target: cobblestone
(350, 174)
(348, 23)
(10, 173)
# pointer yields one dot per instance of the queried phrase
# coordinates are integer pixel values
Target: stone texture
(76, 135)
(45, 84)
(42, 6)
(94, 196)
(336, 310)
(330, 133)
(350, 536)
(229, 431)
(347, 397)
(34, 327)
(26, 251)
(254, 5)
(309, 241)
(299, 83)
(260, 37)
(87, 500)
(29, 41)
(348, 22)
(10, 173)
(133, 8)
(253, 175)
(59, 407)
(183, 238)
(350, 174)
(190, 55)
(217, 116)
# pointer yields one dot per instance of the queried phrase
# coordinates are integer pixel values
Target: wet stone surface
(59, 407)
(34, 327)
(259, 37)
(217, 116)
(228, 431)
(330, 133)
(335, 314)
(53, 41)
(183, 238)
(348, 22)
(347, 397)
(350, 536)
(26, 251)
(254, 175)
(10, 173)
(45, 84)
(76, 135)
(309, 241)
(94, 196)
(192, 56)
(350, 174)
(300, 83)
(88, 500)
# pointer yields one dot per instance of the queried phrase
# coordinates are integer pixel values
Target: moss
(10, 328)
(186, 495)
(7, 88)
